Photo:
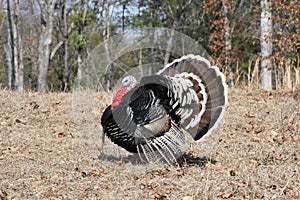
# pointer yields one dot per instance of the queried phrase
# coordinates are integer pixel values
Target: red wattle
(118, 97)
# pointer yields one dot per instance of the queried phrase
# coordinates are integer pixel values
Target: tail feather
(215, 89)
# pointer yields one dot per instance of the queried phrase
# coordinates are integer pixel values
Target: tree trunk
(170, 45)
(228, 47)
(11, 73)
(66, 50)
(21, 66)
(10, 49)
(13, 9)
(141, 62)
(19, 49)
(34, 46)
(47, 12)
(266, 45)
(106, 36)
(80, 50)
(14, 49)
(152, 56)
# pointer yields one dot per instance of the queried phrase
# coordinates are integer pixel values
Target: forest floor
(51, 149)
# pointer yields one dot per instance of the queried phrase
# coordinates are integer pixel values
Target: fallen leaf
(3, 123)
(99, 96)
(54, 177)
(31, 106)
(188, 198)
(51, 194)
(63, 133)
(248, 115)
(28, 151)
(232, 173)
(247, 196)
(3, 194)
(234, 140)
(160, 196)
(38, 182)
(255, 162)
(273, 187)
(224, 195)
(95, 173)
(255, 139)
(46, 111)
(271, 167)
(55, 104)
(278, 140)
(296, 138)
(218, 166)
(277, 156)
(286, 139)
(20, 121)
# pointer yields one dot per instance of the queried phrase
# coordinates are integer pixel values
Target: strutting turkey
(148, 117)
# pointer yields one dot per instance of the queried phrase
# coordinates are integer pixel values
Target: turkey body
(149, 117)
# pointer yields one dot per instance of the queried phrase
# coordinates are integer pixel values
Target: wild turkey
(149, 117)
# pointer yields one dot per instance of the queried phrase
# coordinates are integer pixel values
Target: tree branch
(56, 49)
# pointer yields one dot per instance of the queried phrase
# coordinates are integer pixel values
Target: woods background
(43, 43)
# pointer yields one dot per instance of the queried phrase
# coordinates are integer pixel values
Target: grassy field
(48, 151)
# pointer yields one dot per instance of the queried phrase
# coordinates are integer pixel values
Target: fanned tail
(209, 85)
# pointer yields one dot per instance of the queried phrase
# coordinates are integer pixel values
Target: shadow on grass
(186, 159)
(133, 159)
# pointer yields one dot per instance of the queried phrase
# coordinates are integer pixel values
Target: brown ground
(49, 152)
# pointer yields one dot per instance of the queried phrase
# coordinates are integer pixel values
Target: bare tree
(80, 50)
(47, 14)
(106, 37)
(64, 29)
(170, 42)
(228, 41)
(31, 45)
(20, 74)
(266, 44)
(14, 49)
(66, 32)
(10, 49)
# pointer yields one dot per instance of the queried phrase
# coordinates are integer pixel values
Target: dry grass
(253, 155)
(286, 74)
